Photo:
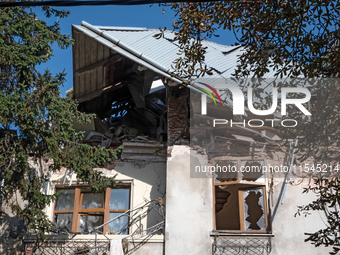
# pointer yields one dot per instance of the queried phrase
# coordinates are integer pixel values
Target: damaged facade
(161, 205)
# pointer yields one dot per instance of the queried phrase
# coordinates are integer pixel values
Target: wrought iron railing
(72, 243)
(239, 245)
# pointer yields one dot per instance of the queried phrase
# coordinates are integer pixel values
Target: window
(240, 195)
(78, 210)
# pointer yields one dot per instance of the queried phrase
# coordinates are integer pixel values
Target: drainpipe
(290, 170)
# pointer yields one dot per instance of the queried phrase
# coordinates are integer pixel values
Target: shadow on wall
(12, 231)
(153, 175)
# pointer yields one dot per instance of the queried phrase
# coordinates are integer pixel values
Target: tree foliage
(36, 121)
(292, 37)
(328, 196)
(298, 38)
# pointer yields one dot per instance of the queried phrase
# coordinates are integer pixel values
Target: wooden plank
(91, 210)
(91, 67)
(96, 93)
(266, 211)
(112, 74)
(75, 218)
(106, 53)
(76, 86)
(94, 47)
(100, 77)
(63, 211)
(100, 57)
(241, 209)
(81, 89)
(81, 85)
(130, 205)
(118, 210)
(214, 204)
(87, 63)
(100, 52)
(106, 69)
(107, 210)
(93, 74)
(75, 63)
(93, 80)
(81, 52)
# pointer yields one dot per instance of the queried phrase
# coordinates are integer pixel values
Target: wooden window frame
(241, 209)
(243, 185)
(78, 211)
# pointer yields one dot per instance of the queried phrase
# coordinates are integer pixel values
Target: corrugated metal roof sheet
(120, 50)
(140, 45)
(164, 51)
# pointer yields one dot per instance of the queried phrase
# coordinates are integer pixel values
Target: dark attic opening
(128, 99)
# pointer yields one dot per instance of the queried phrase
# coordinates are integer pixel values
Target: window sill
(241, 233)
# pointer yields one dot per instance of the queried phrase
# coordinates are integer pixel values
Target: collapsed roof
(120, 71)
(104, 55)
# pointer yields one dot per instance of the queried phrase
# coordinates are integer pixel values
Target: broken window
(252, 170)
(239, 170)
(228, 175)
(254, 211)
(78, 210)
(240, 195)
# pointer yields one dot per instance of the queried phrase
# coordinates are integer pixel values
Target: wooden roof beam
(98, 92)
(99, 64)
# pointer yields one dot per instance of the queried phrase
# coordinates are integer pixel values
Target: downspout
(290, 170)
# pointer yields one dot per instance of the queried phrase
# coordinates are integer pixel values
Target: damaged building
(162, 204)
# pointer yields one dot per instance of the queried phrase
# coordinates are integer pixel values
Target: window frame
(78, 211)
(243, 185)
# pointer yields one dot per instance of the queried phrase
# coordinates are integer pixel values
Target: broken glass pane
(227, 210)
(63, 221)
(252, 170)
(120, 199)
(221, 198)
(91, 200)
(254, 212)
(120, 225)
(65, 201)
(226, 171)
(89, 222)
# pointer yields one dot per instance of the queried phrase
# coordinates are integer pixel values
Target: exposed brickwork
(177, 118)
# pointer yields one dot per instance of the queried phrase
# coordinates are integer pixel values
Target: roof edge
(121, 28)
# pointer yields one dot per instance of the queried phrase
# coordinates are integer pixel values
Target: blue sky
(126, 16)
